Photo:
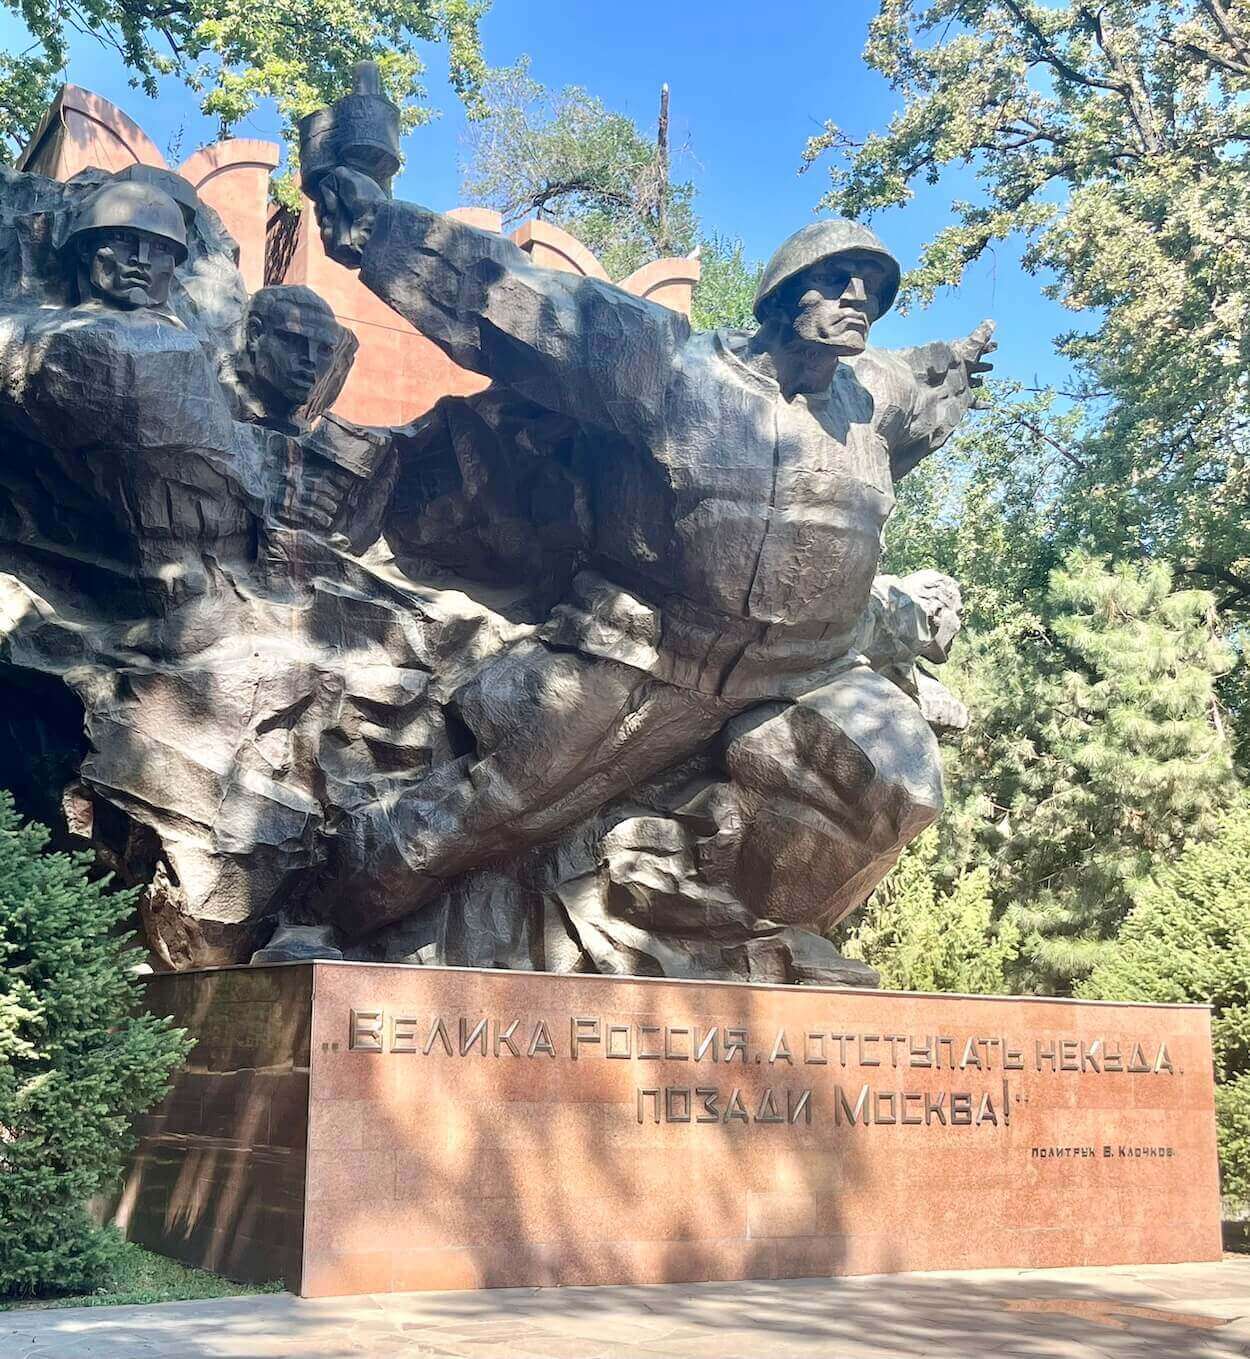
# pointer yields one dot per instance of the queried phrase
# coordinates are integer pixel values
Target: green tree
(1187, 938)
(923, 936)
(565, 157)
(1096, 752)
(1114, 139)
(235, 54)
(986, 511)
(725, 293)
(77, 1064)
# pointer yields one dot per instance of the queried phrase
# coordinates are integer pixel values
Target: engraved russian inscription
(980, 1067)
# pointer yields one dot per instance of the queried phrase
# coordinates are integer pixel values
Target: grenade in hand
(360, 131)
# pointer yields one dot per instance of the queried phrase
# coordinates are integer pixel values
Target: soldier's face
(129, 270)
(291, 352)
(835, 302)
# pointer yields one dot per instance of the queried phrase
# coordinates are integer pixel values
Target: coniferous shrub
(77, 1062)
(1187, 938)
(924, 935)
(1097, 752)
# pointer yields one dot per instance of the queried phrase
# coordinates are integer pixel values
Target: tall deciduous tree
(566, 157)
(234, 54)
(1115, 138)
(569, 159)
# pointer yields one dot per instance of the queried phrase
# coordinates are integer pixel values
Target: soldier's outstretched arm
(928, 389)
(571, 345)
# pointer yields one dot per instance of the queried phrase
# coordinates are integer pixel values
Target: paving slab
(1152, 1312)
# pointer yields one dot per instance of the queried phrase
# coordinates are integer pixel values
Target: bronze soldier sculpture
(742, 486)
(590, 671)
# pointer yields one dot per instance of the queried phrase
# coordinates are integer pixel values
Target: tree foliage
(566, 158)
(76, 1062)
(1114, 139)
(1187, 938)
(1096, 750)
(986, 509)
(234, 54)
(921, 935)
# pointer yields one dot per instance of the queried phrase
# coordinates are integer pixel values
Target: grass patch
(141, 1277)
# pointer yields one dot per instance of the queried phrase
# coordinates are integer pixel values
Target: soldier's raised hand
(971, 352)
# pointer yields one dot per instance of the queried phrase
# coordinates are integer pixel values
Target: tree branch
(1228, 30)
(537, 201)
(1048, 53)
(1239, 584)
(1238, 68)
(1046, 438)
(1131, 86)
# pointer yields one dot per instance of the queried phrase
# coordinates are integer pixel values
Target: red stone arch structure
(398, 373)
(232, 177)
(554, 248)
(81, 130)
(670, 282)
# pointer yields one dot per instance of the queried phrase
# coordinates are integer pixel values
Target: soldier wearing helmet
(181, 190)
(826, 286)
(118, 378)
(739, 484)
(123, 246)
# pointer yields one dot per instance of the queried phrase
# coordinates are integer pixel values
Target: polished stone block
(354, 1127)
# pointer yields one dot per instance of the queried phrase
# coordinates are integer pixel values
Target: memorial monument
(589, 672)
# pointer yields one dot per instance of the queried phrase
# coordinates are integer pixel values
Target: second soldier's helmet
(131, 206)
(821, 241)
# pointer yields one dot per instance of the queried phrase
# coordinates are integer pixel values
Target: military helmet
(131, 206)
(179, 189)
(820, 241)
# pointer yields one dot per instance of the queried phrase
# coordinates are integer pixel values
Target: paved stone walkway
(1165, 1312)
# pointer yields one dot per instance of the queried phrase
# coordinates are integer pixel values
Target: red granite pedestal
(354, 1128)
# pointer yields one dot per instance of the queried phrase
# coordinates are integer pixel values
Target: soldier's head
(124, 244)
(827, 284)
(291, 340)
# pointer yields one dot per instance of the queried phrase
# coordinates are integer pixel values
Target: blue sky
(750, 83)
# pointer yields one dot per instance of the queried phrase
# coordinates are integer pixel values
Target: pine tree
(921, 937)
(1187, 938)
(1137, 762)
(77, 1064)
(1096, 752)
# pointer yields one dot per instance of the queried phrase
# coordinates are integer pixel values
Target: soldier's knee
(857, 742)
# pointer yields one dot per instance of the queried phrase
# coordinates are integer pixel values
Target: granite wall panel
(218, 1178)
(489, 1168)
(356, 1128)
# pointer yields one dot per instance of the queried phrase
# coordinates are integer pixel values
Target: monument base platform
(360, 1128)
